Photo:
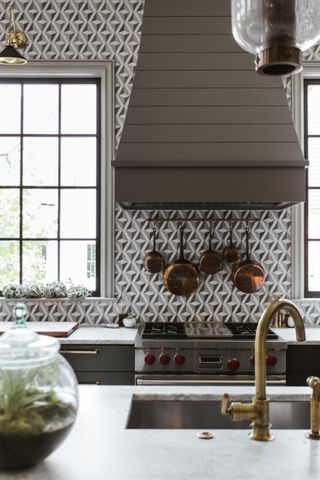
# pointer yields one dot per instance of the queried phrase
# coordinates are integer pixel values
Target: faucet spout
(261, 335)
(258, 410)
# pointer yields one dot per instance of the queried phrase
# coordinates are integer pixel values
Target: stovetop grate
(177, 330)
(164, 330)
(247, 331)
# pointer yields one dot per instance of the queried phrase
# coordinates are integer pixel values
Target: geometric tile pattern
(83, 30)
(92, 311)
(313, 54)
(270, 242)
(310, 311)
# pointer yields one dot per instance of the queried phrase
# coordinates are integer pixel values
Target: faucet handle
(314, 383)
(225, 409)
(314, 433)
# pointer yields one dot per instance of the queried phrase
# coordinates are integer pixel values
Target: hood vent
(202, 127)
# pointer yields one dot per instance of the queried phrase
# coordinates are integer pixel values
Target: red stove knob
(179, 359)
(164, 359)
(272, 360)
(149, 359)
(233, 363)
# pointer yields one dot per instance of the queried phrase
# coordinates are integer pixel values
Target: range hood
(202, 127)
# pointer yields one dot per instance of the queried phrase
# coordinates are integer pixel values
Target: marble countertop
(289, 334)
(101, 335)
(99, 447)
(126, 336)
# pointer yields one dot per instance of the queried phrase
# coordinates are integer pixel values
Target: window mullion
(21, 185)
(59, 179)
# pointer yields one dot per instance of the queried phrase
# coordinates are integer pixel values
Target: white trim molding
(105, 71)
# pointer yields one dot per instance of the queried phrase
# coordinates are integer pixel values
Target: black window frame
(60, 80)
(308, 293)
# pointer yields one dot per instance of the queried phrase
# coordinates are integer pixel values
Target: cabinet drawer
(298, 379)
(97, 358)
(303, 358)
(106, 378)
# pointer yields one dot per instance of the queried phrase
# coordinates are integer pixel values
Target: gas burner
(164, 330)
(247, 331)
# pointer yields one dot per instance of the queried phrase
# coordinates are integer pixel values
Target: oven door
(209, 380)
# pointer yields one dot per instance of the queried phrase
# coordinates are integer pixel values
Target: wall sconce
(14, 39)
(276, 32)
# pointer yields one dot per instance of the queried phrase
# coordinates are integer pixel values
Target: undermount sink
(205, 414)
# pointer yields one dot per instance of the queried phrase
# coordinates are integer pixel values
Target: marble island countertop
(100, 447)
(101, 335)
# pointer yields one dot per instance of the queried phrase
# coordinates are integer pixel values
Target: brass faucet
(258, 409)
(314, 383)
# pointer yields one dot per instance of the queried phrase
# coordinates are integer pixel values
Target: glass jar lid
(21, 347)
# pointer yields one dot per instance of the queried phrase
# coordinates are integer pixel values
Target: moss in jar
(33, 422)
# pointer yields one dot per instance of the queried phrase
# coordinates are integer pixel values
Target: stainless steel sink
(205, 415)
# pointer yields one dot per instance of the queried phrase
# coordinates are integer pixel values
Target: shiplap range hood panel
(202, 126)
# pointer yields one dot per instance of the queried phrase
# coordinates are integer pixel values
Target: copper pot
(211, 261)
(248, 275)
(181, 277)
(153, 261)
(231, 253)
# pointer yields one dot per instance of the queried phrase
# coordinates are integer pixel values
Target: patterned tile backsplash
(110, 29)
(145, 295)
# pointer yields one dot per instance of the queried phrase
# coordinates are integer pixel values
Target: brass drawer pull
(94, 351)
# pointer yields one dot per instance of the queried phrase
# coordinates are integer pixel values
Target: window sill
(63, 299)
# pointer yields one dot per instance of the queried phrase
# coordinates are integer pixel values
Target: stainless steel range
(210, 353)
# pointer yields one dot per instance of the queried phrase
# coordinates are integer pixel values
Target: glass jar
(38, 395)
(276, 32)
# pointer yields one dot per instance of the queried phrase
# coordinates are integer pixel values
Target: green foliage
(24, 408)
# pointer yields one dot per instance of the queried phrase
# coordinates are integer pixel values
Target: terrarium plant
(38, 396)
(26, 409)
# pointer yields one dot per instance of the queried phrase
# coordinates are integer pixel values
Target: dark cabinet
(303, 361)
(101, 364)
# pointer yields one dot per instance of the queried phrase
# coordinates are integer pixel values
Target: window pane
(314, 266)
(10, 101)
(313, 109)
(314, 214)
(9, 213)
(78, 213)
(40, 161)
(77, 263)
(9, 262)
(78, 109)
(78, 161)
(40, 261)
(9, 161)
(41, 108)
(314, 160)
(40, 213)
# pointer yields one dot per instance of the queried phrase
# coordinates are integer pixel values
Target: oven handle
(144, 381)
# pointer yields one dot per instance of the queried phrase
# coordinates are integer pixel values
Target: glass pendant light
(14, 39)
(276, 32)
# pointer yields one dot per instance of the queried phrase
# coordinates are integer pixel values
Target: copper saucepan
(248, 275)
(153, 261)
(181, 277)
(231, 253)
(211, 261)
